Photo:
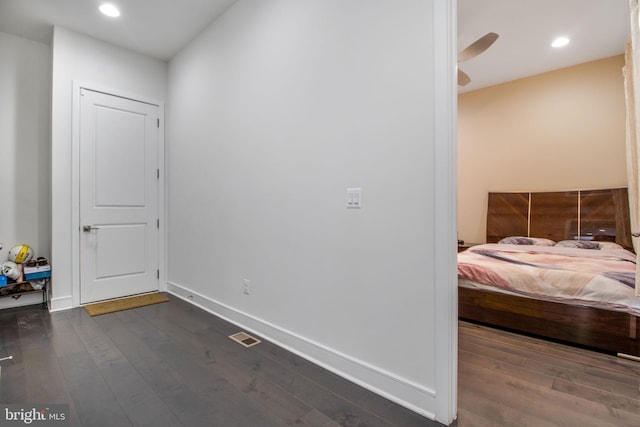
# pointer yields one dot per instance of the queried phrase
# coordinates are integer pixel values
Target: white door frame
(445, 210)
(75, 183)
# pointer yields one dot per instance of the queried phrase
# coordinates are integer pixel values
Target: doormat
(120, 304)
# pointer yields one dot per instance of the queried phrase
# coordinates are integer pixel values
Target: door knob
(88, 228)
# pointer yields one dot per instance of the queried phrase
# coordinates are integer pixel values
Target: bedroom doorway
(500, 152)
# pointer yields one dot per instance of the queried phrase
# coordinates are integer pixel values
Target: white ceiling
(597, 28)
(160, 28)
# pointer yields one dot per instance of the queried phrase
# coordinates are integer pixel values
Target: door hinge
(158, 121)
(158, 273)
(158, 222)
(158, 173)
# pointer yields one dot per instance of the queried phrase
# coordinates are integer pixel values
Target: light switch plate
(354, 198)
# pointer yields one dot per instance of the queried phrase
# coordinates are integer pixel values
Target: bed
(549, 241)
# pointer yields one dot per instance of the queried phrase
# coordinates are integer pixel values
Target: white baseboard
(399, 390)
(61, 303)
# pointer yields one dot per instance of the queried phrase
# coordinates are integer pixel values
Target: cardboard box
(38, 275)
(37, 272)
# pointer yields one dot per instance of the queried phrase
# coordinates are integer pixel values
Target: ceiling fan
(471, 51)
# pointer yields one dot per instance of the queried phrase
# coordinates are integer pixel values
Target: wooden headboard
(561, 215)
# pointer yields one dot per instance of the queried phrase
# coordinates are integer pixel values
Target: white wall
(81, 58)
(25, 92)
(274, 111)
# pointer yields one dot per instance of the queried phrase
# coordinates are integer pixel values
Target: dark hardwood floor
(172, 364)
(506, 379)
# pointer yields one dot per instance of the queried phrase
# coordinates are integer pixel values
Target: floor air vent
(245, 339)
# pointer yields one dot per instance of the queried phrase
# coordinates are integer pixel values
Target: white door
(118, 197)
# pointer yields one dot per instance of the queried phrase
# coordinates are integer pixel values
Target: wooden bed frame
(598, 214)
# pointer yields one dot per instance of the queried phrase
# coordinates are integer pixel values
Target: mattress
(601, 278)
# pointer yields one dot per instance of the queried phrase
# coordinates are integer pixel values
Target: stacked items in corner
(22, 269)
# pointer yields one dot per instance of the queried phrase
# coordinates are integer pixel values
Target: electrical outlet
(245, 286)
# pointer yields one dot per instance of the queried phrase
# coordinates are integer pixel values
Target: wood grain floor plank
(9, 332)
(590, 371)
(309, 392)
(561, 353)
(605, 380)
(184, 315)
(468, 418)
(605, 365)
(138, 401)
(257, 361)
(13, 385)
(46, 384)
(365, 399)
(96, 342)
(33, 337)
(318, 419)
(94, 402)
(535, 401)
(516, 371)
(577, 384)
(611, 400)
(12, 372)
(223, 398)
(543, 366)
(186, 405)
(62, 335)
(231, 352)
(498, 354)
(42, 376)
(33, 375)
(142, 406)
(176, 361)
(479, 409)
(371, 402)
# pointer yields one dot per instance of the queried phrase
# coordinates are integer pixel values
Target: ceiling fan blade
(463, 78)
(477, 47)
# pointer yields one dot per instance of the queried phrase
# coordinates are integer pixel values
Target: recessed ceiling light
(110, 10)
(560, 41)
